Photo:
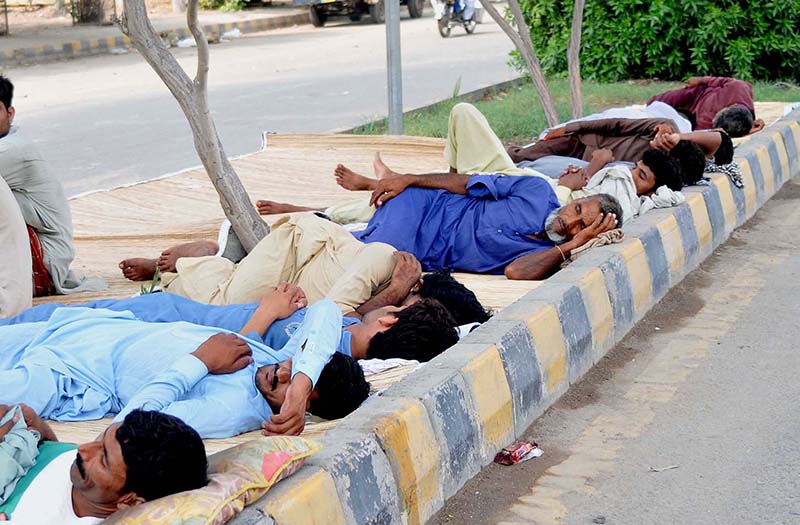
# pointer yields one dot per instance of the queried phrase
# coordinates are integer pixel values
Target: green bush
(223, 5)
(671, 39)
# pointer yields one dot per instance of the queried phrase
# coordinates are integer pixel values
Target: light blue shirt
(85, 364)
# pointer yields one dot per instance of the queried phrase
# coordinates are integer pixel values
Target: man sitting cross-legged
(420, 329)
(85, 364)
(145, 456)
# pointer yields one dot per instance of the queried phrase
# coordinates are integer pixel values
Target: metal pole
(394, 66)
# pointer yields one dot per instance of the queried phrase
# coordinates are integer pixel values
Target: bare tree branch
(574, 59)
(521, 37)
(193, 99)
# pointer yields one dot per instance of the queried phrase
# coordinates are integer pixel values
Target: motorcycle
(452, 14)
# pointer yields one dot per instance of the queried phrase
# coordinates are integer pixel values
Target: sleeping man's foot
(138, 268)
(272, 208)
(166, 263)
(350, 180)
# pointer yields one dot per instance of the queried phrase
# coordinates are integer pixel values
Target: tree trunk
(192, 96)
(522, 40)
(574, 59)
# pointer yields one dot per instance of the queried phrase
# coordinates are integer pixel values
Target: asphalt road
(105, 121)
(692, 418)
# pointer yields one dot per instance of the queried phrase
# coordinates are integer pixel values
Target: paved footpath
(704, 390)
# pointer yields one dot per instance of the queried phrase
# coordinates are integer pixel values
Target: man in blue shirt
(420, 329)
(484, 223)
(86, 364)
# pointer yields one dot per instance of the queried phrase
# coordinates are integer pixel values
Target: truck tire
(355, 17)
(317, 16)
(377, 12)
(415, 8)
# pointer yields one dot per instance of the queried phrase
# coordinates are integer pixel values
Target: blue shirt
(482, 231)
(85, 364)
(167, 307)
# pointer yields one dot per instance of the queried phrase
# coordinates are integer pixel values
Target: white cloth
(48, 499)
(662, 198)
(655, 110)
(616, 181)
(375, 366)
(16, 289)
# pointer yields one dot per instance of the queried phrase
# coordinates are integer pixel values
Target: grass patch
(516, 116)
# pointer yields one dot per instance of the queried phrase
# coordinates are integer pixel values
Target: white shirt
(48, 499)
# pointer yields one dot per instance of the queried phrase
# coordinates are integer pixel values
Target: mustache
(81, 466)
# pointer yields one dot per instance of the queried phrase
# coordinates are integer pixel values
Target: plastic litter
(187, 42)
(233, 33)
(662, 469)
(518, 452)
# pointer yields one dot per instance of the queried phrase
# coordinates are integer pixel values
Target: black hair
(422, 331)
(609, 204)
(724, 153)
(341, 387)
(163, 455)
(665, 168)
(737, 121)
(692, 162)
(459, 300)
(6, 91)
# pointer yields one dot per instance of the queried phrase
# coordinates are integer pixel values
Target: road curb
(100, 46)
(401, 455)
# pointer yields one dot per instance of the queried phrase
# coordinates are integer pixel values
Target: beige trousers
(324, 259)
(16, 280)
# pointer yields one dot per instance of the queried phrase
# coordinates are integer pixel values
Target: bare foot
(350, 180)
(166, 263)
(382, 171)
(273, 208)
(138, 268)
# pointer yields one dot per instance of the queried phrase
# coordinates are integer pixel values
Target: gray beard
(550, 230)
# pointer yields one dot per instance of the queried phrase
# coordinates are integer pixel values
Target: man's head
(736, 120)
(657, 168)
(340, 389)
(459, 300)
(7, 109)
(419, 331)
(692, 161)
(564, 223)
(148, 456)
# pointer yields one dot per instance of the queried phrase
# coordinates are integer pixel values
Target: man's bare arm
(540, 265)
(406, 275)
(390, 187)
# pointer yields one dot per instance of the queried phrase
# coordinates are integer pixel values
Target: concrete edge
(100, 46)
(400, 456)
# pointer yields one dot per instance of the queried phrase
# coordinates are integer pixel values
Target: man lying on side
(86, 364)
(143, 457)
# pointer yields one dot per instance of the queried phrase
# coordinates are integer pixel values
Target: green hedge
(671, 39)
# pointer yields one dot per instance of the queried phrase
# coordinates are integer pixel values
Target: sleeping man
(86, 364)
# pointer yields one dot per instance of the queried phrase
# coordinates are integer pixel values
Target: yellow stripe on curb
(749, 189)
(599, 310)
(486, 379)
(550, 348)
(702, 223)
(783, 156)
(767, 169)
(408, 440)
(295, 508)
(726, 199)
(670, 234)
(633, 252)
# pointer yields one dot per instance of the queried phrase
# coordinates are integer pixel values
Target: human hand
(8, 425)
(573, 178)
(407, 272)
(224, 354)
(292, 419)
(603, 156)
(694, 81)
(36, 423)
(555, 133)
(388, 188)
(283, 300)
(665, 141)
(602, 223)
(663, 128)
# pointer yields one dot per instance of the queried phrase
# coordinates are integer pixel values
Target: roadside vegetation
(516, 115)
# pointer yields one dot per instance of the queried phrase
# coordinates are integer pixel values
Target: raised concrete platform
(399, 457)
